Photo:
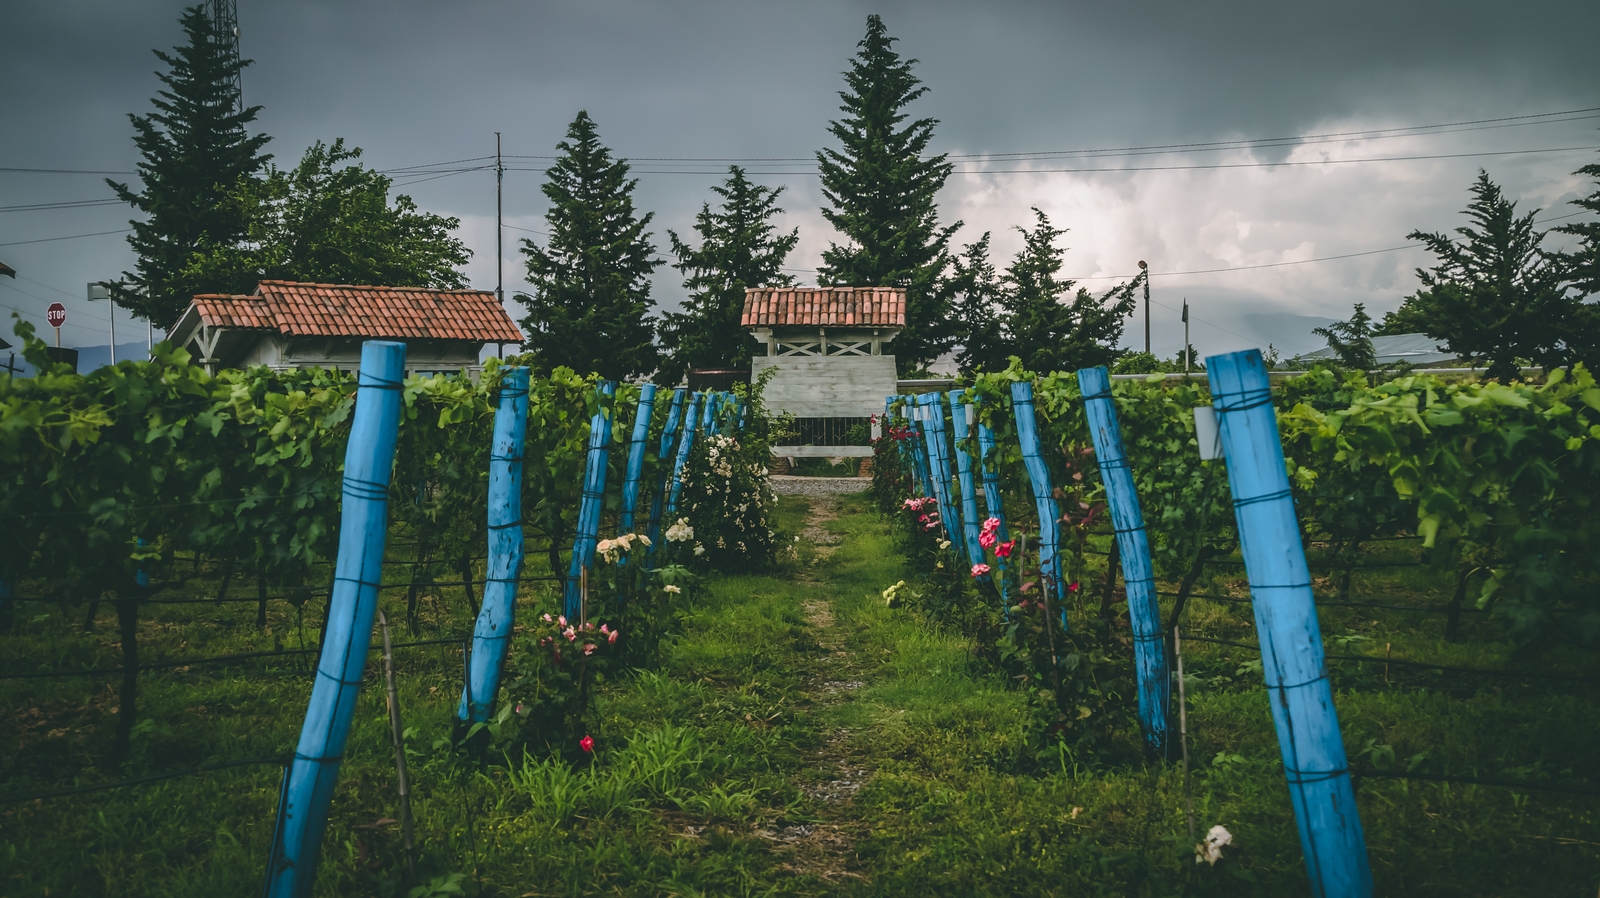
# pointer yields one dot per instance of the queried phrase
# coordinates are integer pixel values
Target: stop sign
(56, 314)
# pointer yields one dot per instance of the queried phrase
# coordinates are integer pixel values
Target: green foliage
(328, 222)
(1494, 296)
(194, 149)
(980, 307)
(880, 187)
(1582, 267)
(739, 248)
(591, 280)
(728, 501)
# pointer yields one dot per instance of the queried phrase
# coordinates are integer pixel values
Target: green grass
(698, 765)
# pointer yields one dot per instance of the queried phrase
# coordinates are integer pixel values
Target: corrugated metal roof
(824, 306)
(345, 310)
(1418, 349)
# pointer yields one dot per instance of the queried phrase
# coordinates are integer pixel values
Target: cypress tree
(195, 152)
(591, 281)
(1052, 327)
(881, 190)
(1583, 265)
(739, 248)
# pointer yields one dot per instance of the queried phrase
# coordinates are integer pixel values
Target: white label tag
(1206, 432)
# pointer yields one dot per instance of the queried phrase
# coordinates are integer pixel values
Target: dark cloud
(417, 82)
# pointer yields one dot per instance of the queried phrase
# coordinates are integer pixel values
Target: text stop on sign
(56, 314)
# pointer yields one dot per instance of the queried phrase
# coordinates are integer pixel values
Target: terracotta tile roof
(825, 306)
(342, 310)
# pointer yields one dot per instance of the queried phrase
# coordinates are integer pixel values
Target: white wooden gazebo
(828, 347)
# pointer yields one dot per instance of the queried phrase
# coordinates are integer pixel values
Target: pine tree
(1493, 296)
(979, 310)
(591, 281)
(1583, 266)
(882, 190)
(1351, 341)
(739, 248)
(323, 223)
(1053, 328)
(195, 151)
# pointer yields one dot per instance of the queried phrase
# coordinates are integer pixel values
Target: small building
(828, 347)
(285, 325)
(1420, 350)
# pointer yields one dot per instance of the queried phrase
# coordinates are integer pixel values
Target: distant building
(828, 347)
(1419, 349)
(292, 325)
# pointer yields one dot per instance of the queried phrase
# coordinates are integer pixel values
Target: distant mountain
(89, 357)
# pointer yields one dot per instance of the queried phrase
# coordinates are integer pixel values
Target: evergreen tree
(739, 248)
(195, 151)
(1583, 266)
(979, 310)
(1351, 341)
(1052, 328)
(321, 223)
(1494, 296)
(591, 281)
(882, 190)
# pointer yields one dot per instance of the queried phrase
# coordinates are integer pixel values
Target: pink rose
(586, 744)
(1004, 549)
(978, 570)
(570, 633)
(588, 649)
(991, 525)
(612, 637)
(987, 539)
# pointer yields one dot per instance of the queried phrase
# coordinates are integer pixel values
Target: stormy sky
(1164, 97)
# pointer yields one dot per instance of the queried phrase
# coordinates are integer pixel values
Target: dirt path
(830, 777)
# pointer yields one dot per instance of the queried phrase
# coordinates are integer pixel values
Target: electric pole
(1145, 270)
(1188, 352)
(499, 232)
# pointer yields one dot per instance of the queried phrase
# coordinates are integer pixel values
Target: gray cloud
(417, 82)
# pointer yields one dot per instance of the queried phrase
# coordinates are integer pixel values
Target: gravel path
(790, 485)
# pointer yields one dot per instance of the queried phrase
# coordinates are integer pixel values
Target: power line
(73, 204)
(67, 237)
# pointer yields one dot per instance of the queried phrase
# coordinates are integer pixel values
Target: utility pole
(103, 291)
(499, 231)
(1145, 269)
(1188, 353)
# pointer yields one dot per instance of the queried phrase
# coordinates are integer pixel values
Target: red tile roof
(825, 306)
(342, 310)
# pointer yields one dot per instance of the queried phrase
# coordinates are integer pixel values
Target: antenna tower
(225, 18)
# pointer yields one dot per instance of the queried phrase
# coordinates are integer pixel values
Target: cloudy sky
(1128, 123)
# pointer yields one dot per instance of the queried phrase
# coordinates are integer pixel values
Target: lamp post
(1145, 270)
(100, 291)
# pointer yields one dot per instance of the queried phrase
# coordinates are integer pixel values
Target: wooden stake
(1183, 731)
(398, 730)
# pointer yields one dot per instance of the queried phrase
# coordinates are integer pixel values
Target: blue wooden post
(594, 491)
(491, 635)
(970, 524)
(1286, 623)
(641, 431)
(932, 405)
(1043, 490)
(685, 446)
(368, 464)
(1138, 573)
(669, 436)
(919, 445)
(992, 504)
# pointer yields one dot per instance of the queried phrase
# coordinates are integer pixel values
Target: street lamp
(101, 291)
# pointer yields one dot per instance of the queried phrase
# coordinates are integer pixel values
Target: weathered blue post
(919, 445)
(641, 431)
(685, 446)
(1286, 623)
(491, 635)
(1138, 573)
(594, 491)
(669, 435)
(932, 405)
(368, 465)
(969, 496)
(1043, 489)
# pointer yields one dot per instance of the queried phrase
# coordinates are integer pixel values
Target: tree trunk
(227, 580)
(466, 582)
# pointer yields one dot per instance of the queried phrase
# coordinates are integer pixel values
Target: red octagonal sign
(56, 314)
